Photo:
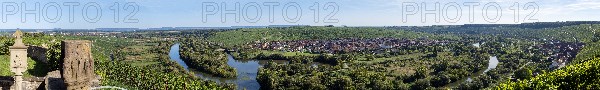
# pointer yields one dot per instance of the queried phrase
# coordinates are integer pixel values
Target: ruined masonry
(77, 71)
(78, 66)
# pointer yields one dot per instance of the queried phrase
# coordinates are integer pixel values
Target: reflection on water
(174, 55)
(478, 44)
(247, 70)
(492, 63)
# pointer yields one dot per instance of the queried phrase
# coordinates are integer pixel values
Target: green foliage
(39, 39)
(577, 76)
(5, 42)
(588, 52)
(34, 68)
(412, 71)
(522, 74)
(296, 76)
(164, 75)
(54, 56)
(5, 65)
(149, 78)
(244, 36)
(201, 55)
(577, 33)
(413, 67)
(421, 84)
(581, 74)
(103, 47)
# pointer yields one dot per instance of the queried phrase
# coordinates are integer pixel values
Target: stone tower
(78, 66)
(18, 60)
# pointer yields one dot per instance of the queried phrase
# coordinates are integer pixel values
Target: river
(492, 63)
(174, 55)
(247, 70)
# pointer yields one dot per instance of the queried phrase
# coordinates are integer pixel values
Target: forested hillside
(584, 73)
(245, 36)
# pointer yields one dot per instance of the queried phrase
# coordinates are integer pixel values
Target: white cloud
(569, 7)
(584, 5)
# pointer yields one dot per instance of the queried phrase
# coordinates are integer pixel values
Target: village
(559, 53)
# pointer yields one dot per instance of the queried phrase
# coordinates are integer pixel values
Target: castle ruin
(77, 70)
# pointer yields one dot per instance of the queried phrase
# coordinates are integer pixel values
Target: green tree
(54, 56)
(524, 73)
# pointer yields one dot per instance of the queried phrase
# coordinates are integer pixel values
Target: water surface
(492, 63)
(174, 55)
(247, 70)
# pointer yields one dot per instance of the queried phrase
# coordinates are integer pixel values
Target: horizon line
(167, 27)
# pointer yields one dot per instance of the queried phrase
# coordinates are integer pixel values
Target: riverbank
(247, 70)
(203, 56)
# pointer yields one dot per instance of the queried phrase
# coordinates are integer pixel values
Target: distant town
(112, 31)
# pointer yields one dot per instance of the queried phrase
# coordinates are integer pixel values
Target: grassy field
(139, 52)
(403, 65)
(4, 66)
(34, 68)
(363, 59)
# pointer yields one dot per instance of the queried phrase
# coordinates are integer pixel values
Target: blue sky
(189, 13)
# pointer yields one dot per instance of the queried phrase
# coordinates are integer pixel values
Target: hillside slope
(581, 74)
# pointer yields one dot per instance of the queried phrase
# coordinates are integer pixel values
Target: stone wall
(77, 74)
(33, 83)
(6, 82)
(54, 81)
(37, 53)
(78, 65)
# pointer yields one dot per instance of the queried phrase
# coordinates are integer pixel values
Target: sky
(83, 14)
